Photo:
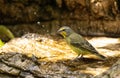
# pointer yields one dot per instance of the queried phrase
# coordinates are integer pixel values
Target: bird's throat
(63, 34)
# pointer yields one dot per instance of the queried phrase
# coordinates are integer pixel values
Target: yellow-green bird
(77, 43)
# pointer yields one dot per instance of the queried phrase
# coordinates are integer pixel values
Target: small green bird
(78, 43)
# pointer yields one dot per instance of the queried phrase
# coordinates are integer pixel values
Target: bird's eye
(63, 30)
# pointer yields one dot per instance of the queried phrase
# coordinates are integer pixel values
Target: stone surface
(113, 72)
(17, 65)
(34, 55)
(88, 17)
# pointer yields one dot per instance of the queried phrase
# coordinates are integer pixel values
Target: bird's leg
(79, 56)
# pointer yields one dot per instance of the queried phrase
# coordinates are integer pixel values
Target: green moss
(6, 31)
(1, 43)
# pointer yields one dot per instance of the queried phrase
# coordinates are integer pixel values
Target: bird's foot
(78, 58)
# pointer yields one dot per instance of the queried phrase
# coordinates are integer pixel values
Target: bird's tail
(101, 56)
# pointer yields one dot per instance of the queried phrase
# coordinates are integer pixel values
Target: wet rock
(113, 72)
(19, 62)
(7, 69)
(7, 76)
(38, 56)
(16, 65)
(88, 17)
(19, 65)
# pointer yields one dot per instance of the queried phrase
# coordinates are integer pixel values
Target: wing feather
(79, 42)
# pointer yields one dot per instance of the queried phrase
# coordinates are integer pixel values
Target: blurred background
(87, 17)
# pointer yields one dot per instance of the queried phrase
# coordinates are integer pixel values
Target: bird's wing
(80, 42)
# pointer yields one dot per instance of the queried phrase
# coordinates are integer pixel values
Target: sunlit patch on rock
(51, 50)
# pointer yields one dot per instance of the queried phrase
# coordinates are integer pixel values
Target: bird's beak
(58, 32)
(63, 33)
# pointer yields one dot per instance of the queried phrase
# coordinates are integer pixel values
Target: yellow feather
(63, 33)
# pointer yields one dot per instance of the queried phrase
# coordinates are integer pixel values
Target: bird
(77, 43)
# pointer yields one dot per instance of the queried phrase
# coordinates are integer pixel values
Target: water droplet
(38, 22)
(35, 13)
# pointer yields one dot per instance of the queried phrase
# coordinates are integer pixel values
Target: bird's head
(65, 31)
